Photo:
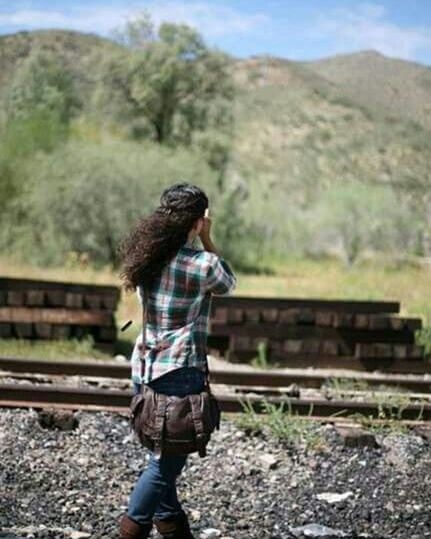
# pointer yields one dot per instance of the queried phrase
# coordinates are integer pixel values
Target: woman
(179, 279)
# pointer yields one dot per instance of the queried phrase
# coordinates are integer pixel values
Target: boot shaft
(129, 529)
(175, 528)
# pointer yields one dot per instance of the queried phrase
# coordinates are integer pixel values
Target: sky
(293, 29)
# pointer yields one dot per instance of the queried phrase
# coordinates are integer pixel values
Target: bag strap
(142, 346)
(159, 424)
(201, 437)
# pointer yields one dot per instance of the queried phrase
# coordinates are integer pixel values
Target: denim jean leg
(154, 490)
(169, 506)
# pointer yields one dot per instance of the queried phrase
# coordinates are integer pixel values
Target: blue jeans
(155, 493)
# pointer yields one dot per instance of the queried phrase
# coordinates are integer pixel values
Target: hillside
(301, 127)
(80, 53)
(299, 132)
(393, 87)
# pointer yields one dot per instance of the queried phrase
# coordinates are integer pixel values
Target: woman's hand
(204, 234)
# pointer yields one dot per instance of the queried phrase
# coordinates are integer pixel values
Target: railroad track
(30, 396)
(304, 378)
(40, 396)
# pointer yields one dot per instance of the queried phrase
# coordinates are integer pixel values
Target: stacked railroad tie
(320, 333)
(31, 309)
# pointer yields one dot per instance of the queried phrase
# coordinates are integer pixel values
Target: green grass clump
(261, 360)
(55, 350)
(390, 414)
(423, 338)
(279, 421)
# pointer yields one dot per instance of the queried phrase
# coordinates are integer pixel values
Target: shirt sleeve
(220, 279)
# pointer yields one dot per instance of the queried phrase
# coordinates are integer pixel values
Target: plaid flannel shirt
(178, 307)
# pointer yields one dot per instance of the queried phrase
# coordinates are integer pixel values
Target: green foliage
(423, 338)
(85, 197)
(230, 228)
(41, 84)
(358, 216)
(170, 86)
(261, 360)
(39, 104)
(38, 130)
(281, 422)
(390, 413)
(53, 350)
(339, 386)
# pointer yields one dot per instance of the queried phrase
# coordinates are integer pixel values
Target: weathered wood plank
(23, 330)
(42, 330)
(270, 315)
(107, 334)
(15, 298)
(388, 350)
(283, 330)
(92, 301)
(235, 316)
(34, 298)
(55, 298)
(56, 316)
(60, 331)
(5, 330)
(73, 300)
(10, 283)
(355, 306)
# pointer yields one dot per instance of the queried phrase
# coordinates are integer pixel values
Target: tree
(84, 197)
(39, 104)
(41, 85)
(172, 87)
(358, 216)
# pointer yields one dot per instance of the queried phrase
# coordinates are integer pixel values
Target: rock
(79, 535)
(53, 418)
(400, 451)
(129, 438)
(210, 533)
(269, 461)
(333, 497)
(356, 437)
(195, 515)
(423, 431)
(316, 530)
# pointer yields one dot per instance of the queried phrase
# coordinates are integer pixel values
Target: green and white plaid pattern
(178, 311)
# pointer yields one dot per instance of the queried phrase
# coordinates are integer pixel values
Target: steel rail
(28, 393)
(232, 377)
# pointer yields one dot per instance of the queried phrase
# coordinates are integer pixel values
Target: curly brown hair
(156, 239)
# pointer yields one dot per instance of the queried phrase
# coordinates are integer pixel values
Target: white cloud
(211, 20)
(366, 27)
(87, 19)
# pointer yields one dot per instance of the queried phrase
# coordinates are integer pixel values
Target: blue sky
(298, 30)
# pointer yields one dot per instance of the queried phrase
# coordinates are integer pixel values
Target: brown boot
(174, 528)
(129, 529)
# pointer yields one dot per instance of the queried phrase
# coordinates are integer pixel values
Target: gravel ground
(75, 484)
